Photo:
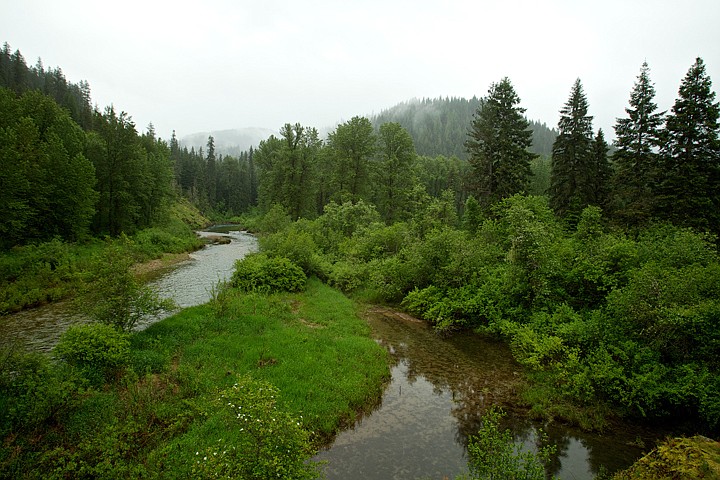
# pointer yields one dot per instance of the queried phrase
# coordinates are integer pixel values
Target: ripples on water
(191, 282)
(439, 390)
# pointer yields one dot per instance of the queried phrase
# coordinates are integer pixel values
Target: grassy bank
(162, 415)
(33, 275)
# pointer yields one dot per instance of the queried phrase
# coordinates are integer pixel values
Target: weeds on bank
(154, 401)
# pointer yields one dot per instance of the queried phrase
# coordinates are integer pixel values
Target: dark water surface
(439, 390)
(188, 283)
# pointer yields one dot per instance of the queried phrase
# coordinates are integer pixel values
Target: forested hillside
(606, 288)
(68, 171)
(598, 266)
(439, 126)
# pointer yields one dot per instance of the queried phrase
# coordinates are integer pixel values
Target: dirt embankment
(147, 269)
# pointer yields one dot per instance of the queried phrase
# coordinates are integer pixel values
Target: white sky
(212, 65)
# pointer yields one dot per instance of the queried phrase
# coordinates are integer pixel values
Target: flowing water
(187, 283)
(439, 390)
(440, 387)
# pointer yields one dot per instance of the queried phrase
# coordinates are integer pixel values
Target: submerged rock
(217, 239)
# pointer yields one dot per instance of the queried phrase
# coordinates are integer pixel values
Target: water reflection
(439, 391)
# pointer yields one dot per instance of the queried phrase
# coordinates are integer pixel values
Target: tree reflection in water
(454, 379)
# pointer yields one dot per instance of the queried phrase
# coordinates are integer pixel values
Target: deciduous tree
(353, 145)
(394, 179)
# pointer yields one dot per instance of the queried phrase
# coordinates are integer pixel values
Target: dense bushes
(600, 317)
(32, 391)
(46, 272)
(261, 273)
(98, 351)
(267, 442)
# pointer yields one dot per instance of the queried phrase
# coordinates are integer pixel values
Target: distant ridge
(228, 142)
(439, 126)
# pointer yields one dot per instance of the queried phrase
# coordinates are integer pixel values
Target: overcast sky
(212, 65)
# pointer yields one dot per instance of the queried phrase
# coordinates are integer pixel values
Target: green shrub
(32, 391)
(298, 246)
(258, 272)
(153, 242)
(494, 455)
(98, 351)
(275, 220)
(377, 241)
(267, 442)
(348, 276)
(113, 295)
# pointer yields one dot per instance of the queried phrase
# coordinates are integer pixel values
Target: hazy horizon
(232, 65)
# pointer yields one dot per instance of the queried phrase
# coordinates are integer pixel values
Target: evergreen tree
(175, 154)
(498, 146)
(158, 178)
(571, 181)
(636, 155)
(125, 175)
(602, 171)
(211, 172)
(689, 181)
(46, 182)
(252, 173)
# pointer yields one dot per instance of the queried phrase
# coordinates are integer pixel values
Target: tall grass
(158, 418)
(36, 274)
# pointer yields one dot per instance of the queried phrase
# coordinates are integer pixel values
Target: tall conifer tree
(500, 136)
(689, 181)
(602, 171)
(572, 179)
(636, 156)
(211, 171)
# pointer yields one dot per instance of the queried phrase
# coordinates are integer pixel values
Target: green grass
(312, 346)
(152, 420)
(36, 274)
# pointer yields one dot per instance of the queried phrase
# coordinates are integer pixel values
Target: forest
(597, 263)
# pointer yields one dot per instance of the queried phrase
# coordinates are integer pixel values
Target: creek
(187, 283)
(439, 389)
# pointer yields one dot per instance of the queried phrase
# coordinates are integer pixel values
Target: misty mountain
(439, 126)
(228, 142)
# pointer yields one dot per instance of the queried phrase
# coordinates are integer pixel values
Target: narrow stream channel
(439, 390)
(188, 283)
